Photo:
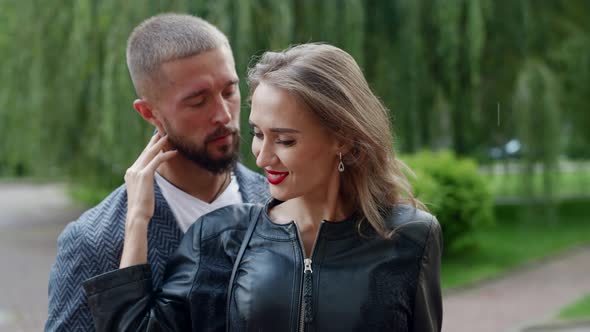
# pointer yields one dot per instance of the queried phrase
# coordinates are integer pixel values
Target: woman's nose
(264, 155)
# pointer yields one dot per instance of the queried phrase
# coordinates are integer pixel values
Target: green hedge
(455, 192)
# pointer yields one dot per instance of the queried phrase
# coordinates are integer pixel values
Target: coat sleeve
(124, 299)
(68, 309)
(428, 301)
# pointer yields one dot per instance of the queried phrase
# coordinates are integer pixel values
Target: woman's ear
(343, 148)
(144, 108)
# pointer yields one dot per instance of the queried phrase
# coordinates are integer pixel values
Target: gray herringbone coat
(93, 244)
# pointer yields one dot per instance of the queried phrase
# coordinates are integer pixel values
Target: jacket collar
(332, 230)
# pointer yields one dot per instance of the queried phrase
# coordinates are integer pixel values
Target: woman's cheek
(255, 147)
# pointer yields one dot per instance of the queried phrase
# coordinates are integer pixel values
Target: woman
(341, 246)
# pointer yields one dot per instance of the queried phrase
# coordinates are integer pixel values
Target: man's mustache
(220, 132)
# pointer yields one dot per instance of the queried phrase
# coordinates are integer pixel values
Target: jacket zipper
(307, 289)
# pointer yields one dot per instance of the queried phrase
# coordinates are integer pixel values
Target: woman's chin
(283, 195)
(279, 195)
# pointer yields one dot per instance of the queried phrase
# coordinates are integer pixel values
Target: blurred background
(489, 103)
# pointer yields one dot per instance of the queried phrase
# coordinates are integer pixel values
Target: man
(184, 74)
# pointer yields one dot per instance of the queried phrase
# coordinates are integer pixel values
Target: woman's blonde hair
(328, 81)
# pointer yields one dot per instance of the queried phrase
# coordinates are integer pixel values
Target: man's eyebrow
(202, 91)
(278, 130)
(194, 95)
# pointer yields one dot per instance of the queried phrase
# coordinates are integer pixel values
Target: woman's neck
(309, 212)
(308, 215)
(324, 202)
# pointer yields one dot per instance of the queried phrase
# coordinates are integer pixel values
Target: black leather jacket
(352, 283)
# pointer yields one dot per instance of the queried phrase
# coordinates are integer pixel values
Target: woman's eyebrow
(278, 130)
(284, 130)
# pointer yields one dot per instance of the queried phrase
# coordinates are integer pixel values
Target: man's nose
(222, 112)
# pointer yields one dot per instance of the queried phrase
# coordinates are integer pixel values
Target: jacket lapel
(164, 235)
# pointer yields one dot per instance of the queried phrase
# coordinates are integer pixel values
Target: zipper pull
(307, 263)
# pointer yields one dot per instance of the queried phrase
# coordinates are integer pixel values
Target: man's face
(198, 105)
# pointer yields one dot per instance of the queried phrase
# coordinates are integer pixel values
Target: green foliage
(455, 193)
(537, 99)
(441, 66)
(573, 56)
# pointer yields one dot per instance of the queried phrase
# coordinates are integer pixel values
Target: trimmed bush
(455, 192)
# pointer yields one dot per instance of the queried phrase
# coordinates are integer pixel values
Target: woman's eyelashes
(288, 142)
(256, 134)
(278, 140)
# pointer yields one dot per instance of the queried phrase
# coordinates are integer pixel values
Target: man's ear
(146, 111)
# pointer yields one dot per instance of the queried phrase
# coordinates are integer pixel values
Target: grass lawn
(517, 239)
(574, 182)
(577, 310)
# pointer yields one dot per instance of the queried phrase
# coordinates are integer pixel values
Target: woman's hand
(139, 180)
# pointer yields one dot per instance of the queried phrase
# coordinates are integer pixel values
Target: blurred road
(33, 215)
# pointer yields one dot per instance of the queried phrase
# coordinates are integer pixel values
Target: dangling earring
(341, 164)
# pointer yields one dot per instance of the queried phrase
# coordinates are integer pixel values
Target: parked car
(510, 150)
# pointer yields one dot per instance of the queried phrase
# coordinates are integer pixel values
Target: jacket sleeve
(124, 299)
(428, 300)
(68, 309)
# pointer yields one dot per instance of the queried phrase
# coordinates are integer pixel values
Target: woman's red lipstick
(275, 177)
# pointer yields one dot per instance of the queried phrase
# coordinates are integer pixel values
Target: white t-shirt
(187, 209)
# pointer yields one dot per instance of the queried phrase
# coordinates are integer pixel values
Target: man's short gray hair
(167, 37)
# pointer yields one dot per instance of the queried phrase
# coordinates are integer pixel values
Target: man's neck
(192, 179)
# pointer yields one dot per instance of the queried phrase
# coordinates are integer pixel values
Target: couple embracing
(331, 240)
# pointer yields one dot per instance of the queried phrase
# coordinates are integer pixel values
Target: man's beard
(199, 154)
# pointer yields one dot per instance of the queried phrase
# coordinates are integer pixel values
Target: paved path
(524, 297)
(33, 216)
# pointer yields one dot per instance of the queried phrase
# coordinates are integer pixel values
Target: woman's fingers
(151, 151)
(153, 140)
(140, 158)
(159, 159)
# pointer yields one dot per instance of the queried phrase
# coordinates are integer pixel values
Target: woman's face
(299, 155)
